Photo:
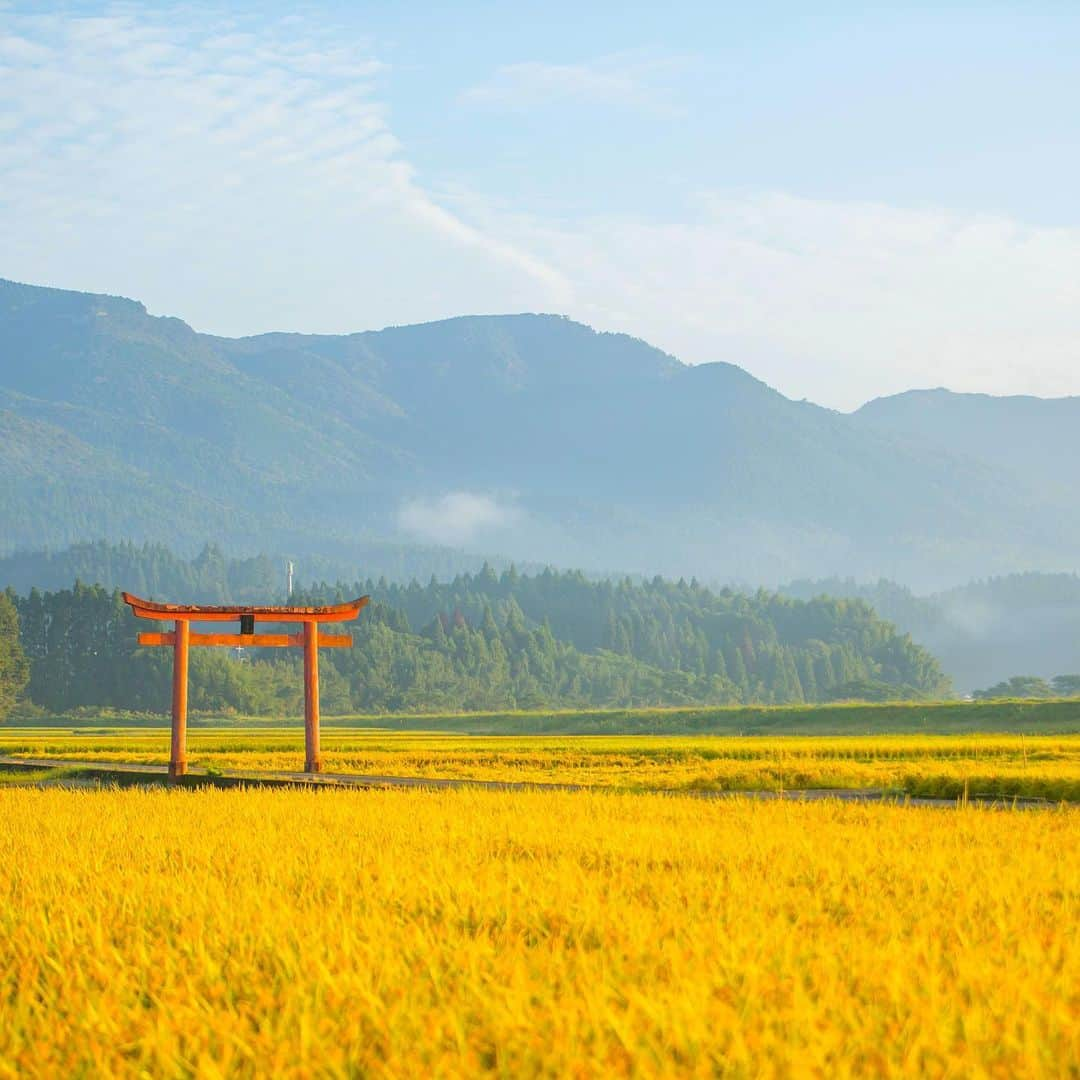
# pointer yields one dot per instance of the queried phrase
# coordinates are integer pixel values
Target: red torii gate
(310, 639)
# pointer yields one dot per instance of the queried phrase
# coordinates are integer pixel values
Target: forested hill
(529, 436)
(983, 632)
(498, 641)
(769, 647)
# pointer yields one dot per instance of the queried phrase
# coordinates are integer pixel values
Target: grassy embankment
(1033, 716)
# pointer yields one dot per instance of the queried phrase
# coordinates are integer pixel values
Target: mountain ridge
(579, 447)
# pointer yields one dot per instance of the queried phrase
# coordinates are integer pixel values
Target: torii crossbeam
(310, 639)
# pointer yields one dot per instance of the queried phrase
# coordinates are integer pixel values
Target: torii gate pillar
(312, 753)
(178, 742)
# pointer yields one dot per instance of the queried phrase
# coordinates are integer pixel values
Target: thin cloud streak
(629, 80)
(213, 145)
(836, 302)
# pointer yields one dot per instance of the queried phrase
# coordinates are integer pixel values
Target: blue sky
(848, 202)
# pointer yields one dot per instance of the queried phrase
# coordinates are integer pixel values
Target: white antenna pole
(288, 578)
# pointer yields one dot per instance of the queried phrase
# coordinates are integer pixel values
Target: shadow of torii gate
(310, 639)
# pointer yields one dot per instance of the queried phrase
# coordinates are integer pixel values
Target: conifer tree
(14, 667)
(737, 668)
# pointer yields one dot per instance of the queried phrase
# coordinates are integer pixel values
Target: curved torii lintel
(331, 613)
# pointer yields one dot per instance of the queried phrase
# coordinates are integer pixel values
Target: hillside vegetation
(496, 641)
(985, 632)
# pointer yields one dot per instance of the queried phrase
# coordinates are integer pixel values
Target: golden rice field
(1044, 766)
(288, 933)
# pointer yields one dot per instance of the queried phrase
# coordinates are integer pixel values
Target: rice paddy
(1003, 766)
(298, 933)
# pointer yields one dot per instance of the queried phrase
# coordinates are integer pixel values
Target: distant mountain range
(527, 435)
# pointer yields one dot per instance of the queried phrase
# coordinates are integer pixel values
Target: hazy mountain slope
(56, 488)
(163, 401)
(608, 443)
(576, 447)
(1035, 441)
(982, 632)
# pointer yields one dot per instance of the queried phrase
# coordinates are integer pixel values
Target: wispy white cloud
(246, 175)
(834, 301)
(625, 79)
(458, 517)
(227, 155)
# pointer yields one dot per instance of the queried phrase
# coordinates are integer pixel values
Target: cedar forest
(484, 641)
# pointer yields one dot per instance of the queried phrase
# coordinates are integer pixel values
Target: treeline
(494, 641)
(14, 669)
(980, 631)
(1032, 686)
(973, 606)
(212, 577)
(892, 601)
(768, 648)
(148, 570)
(81, 644)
